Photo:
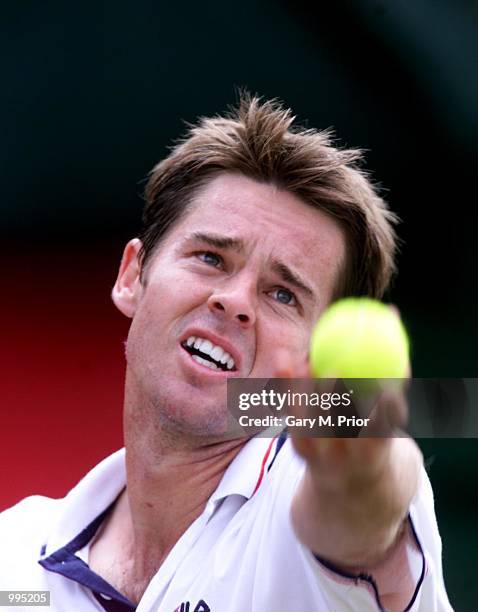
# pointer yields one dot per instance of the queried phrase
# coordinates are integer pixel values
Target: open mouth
(208, 354)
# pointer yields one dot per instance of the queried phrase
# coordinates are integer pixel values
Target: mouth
(213, 356)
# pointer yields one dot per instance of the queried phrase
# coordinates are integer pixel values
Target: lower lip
(204, 369)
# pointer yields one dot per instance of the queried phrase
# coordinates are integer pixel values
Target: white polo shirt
(240, 555)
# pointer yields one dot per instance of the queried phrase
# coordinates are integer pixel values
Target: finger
(285, 365)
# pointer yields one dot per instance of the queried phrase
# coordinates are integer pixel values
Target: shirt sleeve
(396, 581)
(410, 578)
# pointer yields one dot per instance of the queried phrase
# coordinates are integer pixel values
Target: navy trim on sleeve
(355, 577)
(65, 562)
(369, 579)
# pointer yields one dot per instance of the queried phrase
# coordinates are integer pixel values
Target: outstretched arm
(352, 502)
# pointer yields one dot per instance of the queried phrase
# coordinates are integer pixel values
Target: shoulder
(23, 531)
(29, 520)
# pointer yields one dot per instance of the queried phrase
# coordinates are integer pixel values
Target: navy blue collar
(65, 562)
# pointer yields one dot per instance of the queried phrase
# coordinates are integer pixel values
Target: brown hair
(258, 139)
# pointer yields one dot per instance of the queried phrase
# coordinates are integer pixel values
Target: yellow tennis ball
(359, 338)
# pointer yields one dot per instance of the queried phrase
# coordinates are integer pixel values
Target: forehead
(271, 222)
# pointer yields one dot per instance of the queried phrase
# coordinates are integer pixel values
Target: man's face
(249, 269)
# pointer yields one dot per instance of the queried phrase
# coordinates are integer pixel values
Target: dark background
(91, 96)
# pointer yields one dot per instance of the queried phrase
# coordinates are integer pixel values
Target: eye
(209, 258)
(284, 296)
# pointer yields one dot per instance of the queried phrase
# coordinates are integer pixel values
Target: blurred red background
(62, 367)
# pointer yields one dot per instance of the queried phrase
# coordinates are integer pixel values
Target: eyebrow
(236, 244)
(218, 241)
(290, 277)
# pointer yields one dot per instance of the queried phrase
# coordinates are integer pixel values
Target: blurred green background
(93, 93)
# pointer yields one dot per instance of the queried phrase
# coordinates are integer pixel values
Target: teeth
(225, 357)
(205, 362)
(206, 347)
(213, 350)
(217, 353)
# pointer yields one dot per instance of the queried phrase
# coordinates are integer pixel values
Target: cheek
(297, 344)
(275, 341)
(161, 312)
(175, 288)
(174, 293)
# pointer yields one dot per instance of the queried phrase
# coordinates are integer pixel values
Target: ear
(128, 288)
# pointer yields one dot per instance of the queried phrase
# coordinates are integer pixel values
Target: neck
(170, 477)
(166, 492)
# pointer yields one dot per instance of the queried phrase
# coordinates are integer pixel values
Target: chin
(193, 418)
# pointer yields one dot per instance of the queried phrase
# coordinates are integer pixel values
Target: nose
(235, 301)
